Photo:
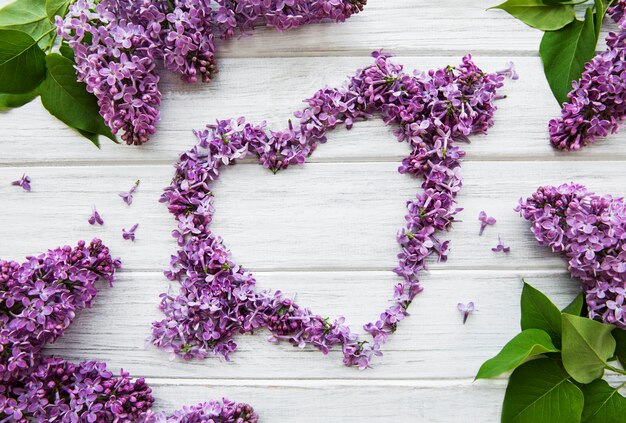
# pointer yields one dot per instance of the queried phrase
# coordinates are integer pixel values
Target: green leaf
(528, 343)
(565, 52)
(90, 136)
(66, 51)
(67, 99)
(28, 16)
(620, 348)
(576, 306)
(11, 101)
(540, 392)
(539, 312)
(535, 13)
(587, 345)
(601, 6)
(603, 404)
(56, 8)
(22, 63)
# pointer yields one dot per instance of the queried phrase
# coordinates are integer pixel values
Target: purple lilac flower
(597, 103)
(509, 71)
(500, 247)
(224, 411)
(129, 235)
(589, 231)
(484, 221)
(116, 45)
(115, 58)
(95, 218)
(127, 196)
(39, 299)
(222, 296)
(466, 309)
(57, 390)
(242, 15)
(23, 182)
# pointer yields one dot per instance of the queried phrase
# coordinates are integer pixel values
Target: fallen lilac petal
(484, 221)
(130, 234)
(95, 218)
(500, 247)
(466, 309)
(127, 196)
(23, 182)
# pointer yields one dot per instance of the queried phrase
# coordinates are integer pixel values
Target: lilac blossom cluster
(589, 231)
(218, 298)
(597, 103)
(40, 297)
(38, 301)
(57, 390)
(224, 411)
(117, 43)
(234, 16)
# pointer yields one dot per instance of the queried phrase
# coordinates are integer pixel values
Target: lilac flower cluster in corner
(597, 104)
(58, 390)
(589, 231)
(38, 301)
(40, 297)
(218, 299)
(117, 43)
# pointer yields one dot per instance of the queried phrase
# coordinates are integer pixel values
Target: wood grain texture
(323, 232)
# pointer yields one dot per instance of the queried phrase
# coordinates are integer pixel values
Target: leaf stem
(45, 33)
(616, 370)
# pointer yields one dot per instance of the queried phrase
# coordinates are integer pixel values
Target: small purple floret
(129, 235)
(484, 221)
(95, 218)
(127, 196)
(23, 182)
(500, 247)
(466, 309)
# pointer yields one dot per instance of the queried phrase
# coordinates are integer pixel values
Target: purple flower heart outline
(218, 298)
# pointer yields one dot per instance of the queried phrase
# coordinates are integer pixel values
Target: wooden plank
(306, 401)
(432, 343)
(520, 131)
(341, 216)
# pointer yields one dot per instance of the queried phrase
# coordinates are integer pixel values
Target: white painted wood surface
(324, 231)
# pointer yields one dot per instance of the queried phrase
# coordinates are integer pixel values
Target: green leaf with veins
(56, 8)
(11, 101)
(537, 14)
(565, 52)
(540, 392)
(528, 343)
(576, 306)
(539, 312)
(67, 99)
(28, 16)
(587, 346)
(603, 404)
(22, 63)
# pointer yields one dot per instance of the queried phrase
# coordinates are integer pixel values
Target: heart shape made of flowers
(218, 298)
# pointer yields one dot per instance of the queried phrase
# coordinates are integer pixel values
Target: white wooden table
(325, 231)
